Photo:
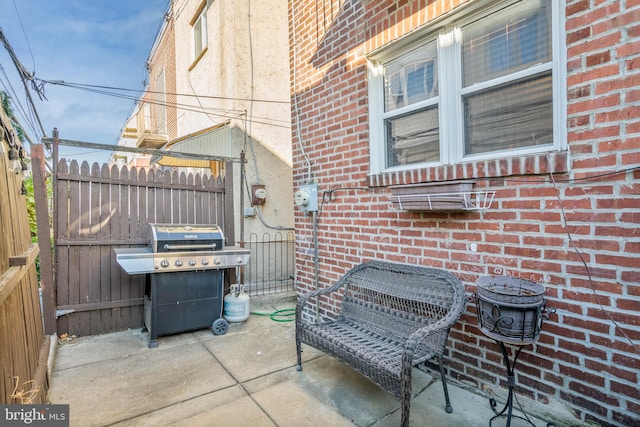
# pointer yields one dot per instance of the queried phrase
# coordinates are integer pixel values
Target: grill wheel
(220, 327)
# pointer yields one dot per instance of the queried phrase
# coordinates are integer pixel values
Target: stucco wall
(242, 78)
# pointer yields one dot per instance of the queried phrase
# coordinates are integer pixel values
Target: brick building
(537, 104)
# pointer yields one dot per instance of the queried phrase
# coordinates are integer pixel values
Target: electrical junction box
(307, 197)
(249, 212)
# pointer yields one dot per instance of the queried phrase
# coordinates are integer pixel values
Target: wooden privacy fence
(100, 208)
(23, 346)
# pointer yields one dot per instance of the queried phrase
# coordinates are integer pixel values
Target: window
(161, 104)
(146, 111)
(410, 93)
(484, 86)
(199, 25)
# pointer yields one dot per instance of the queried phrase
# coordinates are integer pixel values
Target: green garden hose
(284, 315)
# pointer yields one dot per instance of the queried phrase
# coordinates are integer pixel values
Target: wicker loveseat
(393, 317)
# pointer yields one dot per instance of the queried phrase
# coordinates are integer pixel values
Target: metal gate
(271, 268)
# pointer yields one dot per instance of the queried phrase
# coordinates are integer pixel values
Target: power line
(567, 180)
(226, 114)
(140, 91)
(33, 60)
(24, 77)
(10, 90)
(223, 113)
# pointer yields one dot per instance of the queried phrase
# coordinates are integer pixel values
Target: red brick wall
(588, 355)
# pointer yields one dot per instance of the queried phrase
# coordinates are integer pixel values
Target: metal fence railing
(271, 268)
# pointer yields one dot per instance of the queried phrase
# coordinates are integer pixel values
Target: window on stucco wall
(483, 86)
(199, 28)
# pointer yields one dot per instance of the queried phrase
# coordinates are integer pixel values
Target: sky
(92, 42)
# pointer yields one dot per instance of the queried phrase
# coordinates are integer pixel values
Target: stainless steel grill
(181, 248)
(185, 265)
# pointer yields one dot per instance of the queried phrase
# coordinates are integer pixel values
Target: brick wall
(588, 354)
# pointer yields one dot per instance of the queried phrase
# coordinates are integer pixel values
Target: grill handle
(188, 247)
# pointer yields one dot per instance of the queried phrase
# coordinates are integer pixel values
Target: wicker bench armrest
(307, 296)
(421, 334)
(304, 298)
(418, 336)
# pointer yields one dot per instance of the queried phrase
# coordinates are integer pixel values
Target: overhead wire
(16, 122)
(16, 100)
(200, 103)
(225, 113)
(29, 116)
(566, 180)
(259, 212)
(149, 101)
(588, 270)
(24, 32)
(161, 26)
(32, 117)
(30, 112)
(25, 77)
(140, 91)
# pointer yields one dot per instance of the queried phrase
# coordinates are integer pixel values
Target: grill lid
(182, 247)
(185, 237)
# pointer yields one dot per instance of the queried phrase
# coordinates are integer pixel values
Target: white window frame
(146, 111)
(199, 23)
(450, 100)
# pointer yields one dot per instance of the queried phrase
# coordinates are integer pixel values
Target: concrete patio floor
(246, 377)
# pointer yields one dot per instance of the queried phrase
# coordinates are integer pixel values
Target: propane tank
(236, 304)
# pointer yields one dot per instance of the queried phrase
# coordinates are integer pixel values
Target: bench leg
(298, 355)
(405, 393)
(448, 406)
(405, 408)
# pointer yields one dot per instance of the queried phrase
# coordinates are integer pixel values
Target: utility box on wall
(258, 194)
(307, 197)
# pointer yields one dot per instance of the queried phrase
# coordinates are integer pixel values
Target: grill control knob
(164, 263)
(192, 262)
(205, 261)
(178, 263)
(239, 260)
(217, 261)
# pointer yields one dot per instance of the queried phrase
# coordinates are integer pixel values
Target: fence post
(229, 223)
(229, 211)
(44, 239)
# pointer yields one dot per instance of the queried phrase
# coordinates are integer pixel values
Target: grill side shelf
(135, 260)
